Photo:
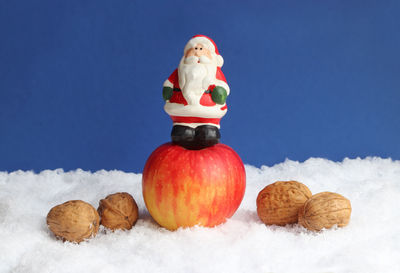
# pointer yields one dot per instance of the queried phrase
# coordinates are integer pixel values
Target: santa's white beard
(195, 77)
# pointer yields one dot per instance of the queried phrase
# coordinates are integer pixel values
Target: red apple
(184, 188)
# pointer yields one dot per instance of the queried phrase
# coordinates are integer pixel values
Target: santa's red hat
(207, 42)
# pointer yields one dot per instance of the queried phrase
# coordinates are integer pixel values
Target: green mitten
(167, 93)
(219, 95)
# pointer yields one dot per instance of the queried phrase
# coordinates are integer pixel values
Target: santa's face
(198, 50)
(197, 71)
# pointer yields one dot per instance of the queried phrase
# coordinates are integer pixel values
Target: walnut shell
(325, 209)
(73, 221)
(118, 211)
(279, 203)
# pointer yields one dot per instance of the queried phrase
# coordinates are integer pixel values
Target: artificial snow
(370, 243)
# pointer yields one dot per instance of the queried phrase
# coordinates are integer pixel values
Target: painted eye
(201, 48)
(195, 48)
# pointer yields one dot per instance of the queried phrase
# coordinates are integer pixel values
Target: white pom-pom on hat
(207, 42)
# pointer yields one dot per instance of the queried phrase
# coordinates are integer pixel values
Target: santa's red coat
(205, 100)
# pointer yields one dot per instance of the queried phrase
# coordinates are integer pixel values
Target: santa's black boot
(183, 136)
(206, 136)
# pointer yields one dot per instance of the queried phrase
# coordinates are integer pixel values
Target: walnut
(118, 211)
(279, 203)
(73, 221)
(324, 210)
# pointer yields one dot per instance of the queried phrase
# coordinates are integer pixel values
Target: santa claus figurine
(195, 95)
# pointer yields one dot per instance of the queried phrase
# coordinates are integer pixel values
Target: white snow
(370, 243)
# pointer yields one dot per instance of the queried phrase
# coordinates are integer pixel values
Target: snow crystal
(370, 243)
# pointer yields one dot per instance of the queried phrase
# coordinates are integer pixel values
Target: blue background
(80, 81)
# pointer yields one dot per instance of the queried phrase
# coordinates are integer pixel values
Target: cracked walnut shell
(324, 210)
(73, 221)
(279, 203)
(118, 211)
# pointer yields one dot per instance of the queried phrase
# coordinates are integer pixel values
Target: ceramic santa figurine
(195, 95)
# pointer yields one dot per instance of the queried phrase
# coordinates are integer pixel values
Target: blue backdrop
(81, 81)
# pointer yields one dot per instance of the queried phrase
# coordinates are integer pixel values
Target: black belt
(179, 90)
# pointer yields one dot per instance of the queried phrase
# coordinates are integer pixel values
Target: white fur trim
(220, 60)
(167, 83)
(224, 85)
(194, 125)
(180, 110)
